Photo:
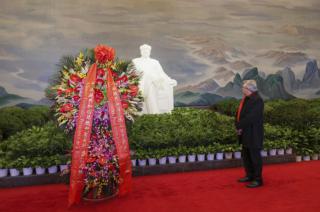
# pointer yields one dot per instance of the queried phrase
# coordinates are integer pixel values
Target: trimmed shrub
(227, 107)
(183, 127)
(296, 113)
(15, 119)
(37, 141)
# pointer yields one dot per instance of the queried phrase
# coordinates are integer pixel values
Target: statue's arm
(165, 76)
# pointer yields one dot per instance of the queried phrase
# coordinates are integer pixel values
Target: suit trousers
(252, 162)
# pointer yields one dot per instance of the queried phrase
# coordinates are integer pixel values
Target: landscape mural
(208, 46)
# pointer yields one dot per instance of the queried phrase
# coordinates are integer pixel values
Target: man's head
(249, 87)
(145, 50)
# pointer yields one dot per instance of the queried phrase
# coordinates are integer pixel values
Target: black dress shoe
(254, 184)
(244, 180)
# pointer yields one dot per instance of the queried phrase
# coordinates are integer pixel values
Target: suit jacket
(251, 122)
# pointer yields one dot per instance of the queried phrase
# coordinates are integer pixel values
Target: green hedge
(15, 119)
(184, 130)
(191, 128)
(37, 142)
(227, 107)
(296, 113)
(184, 127)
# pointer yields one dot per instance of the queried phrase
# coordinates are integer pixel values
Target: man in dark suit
(249, 125)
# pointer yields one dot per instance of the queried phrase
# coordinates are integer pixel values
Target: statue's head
(145, 50)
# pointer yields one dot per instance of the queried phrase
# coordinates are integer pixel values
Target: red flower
(99, 82)
(122, 79)
(93, 174)
(114, 74)
(69, 91)
(124, 96)
(102, 161)
(100, 72)
(111, 167)
(75, 78)
(107, 134)
(98, 95)
(59, 92)
(66, 108)
(94, 137)
(76, 89)
(104, 54)
(91, 160)
(125, 105)
(134, 90)
(76, 98)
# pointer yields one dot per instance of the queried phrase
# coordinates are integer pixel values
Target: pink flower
(76, 98)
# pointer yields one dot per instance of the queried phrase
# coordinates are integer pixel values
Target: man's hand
(239, 131)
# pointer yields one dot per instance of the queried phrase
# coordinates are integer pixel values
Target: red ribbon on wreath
(82, 137)
(119, 134)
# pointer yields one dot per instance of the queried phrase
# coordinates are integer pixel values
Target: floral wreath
(102, 169)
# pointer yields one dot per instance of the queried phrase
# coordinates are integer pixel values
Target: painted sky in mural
(193, 40)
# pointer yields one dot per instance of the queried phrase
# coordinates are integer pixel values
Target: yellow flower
(80, 59)
(65, 74)
(81, 75)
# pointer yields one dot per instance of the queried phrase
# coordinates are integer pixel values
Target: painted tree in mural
(93, 96)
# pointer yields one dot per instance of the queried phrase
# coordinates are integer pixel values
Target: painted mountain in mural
(232, 89)
(188, 98)
(308, 87)
(289, 79)
(271, 87)
(281, 85)
(7, 99)
(311, 78)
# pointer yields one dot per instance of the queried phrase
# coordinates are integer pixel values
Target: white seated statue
(155, 84)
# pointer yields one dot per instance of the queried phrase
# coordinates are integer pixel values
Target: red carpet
(288, 187)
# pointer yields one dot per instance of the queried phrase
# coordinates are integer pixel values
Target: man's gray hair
(250, 85)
